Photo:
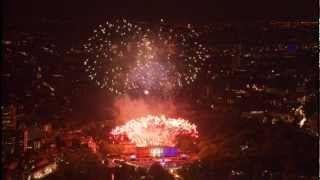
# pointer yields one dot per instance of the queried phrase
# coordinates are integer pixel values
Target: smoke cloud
(126, 108)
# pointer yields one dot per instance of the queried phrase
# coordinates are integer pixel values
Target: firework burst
(154, 131)
(122, 57)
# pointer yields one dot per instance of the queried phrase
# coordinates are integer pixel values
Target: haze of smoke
(127, 108)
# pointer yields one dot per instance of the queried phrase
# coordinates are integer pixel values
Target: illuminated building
(8, 142)
(44, 171)
(156, 152)
(25, 139)
(9, 119)
(163, 152)
(34, 138)
(9, 132)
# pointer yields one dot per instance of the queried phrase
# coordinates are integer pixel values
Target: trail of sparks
(154, 131)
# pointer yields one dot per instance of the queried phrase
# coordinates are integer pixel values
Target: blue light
(170, 151)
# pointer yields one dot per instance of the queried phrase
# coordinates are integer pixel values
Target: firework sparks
(154, 131)
(146, 92)
(122, 56)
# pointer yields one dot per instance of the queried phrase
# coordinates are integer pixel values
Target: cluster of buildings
(26, 149)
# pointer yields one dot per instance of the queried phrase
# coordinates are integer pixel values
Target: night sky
(202, 10)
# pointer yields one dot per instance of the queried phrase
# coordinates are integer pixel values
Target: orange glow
(154, 131)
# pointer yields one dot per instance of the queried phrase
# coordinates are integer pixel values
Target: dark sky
(170, 9)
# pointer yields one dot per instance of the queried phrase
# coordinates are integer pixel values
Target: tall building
(9, 124)
(9, 117)
(25, 139)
